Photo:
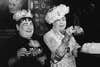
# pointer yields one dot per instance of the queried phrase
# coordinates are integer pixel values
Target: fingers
(78, 29)
(21, 52)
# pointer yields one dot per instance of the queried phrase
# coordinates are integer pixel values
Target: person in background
(15, 5)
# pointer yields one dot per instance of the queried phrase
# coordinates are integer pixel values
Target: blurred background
(82, 12)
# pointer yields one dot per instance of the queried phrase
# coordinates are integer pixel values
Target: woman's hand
(75, 30)
(35, 51)
(78, 29)
(22, 52)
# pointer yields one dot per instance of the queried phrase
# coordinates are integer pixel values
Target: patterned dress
(53, 41)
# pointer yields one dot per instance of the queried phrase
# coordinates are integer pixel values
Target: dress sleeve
(73, 44)
(51, 43)
(60, 52)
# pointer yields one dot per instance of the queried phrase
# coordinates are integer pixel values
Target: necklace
(58, 34)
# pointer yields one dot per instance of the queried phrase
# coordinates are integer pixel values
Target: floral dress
(53, 41)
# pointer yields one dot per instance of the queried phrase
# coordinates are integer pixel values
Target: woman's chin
(27, 36)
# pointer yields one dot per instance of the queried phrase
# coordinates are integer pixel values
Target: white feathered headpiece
(56, 13)
(22, 13)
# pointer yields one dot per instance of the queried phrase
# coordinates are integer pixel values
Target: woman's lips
(61, 25)
(29, 31)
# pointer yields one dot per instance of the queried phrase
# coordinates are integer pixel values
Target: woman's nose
(29, 28)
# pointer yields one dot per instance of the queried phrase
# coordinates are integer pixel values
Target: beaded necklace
(58, 34)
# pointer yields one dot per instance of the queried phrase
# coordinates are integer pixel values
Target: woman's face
(60, 24)
(26, 28)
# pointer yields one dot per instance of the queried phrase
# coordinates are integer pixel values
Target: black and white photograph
(49, 33)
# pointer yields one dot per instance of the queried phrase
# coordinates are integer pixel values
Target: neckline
(58, 34)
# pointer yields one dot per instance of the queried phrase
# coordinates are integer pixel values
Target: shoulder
(49, 38)
(49, 34)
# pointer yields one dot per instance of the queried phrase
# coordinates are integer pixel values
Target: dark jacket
(16, 42)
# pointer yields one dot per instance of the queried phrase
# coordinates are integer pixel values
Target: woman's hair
(22, 19)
